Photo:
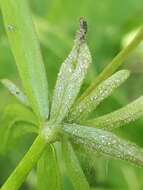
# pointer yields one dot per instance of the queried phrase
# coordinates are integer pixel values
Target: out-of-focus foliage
(109, 22)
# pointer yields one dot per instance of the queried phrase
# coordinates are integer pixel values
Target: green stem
(24, 167)
(115, 63)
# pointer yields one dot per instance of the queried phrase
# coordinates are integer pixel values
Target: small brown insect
(83, 25)
(82, 30)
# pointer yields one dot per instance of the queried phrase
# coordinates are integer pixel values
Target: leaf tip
(124, 73)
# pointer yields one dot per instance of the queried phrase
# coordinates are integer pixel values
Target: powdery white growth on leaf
(120, 117)
(82, 109)
(70, 79)
(104, 142)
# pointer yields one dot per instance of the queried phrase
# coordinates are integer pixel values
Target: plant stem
(115, 63)
(24, 167)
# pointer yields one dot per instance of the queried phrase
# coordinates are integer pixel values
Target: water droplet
(70, 70)
(10, 27)
(92, 98)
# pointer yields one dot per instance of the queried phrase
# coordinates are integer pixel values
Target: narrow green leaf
(27, 54)
(14, 90)
(74, 170)
(104, 142)
(48, 171)
(82, 109)
(120, 117)
(70, 79)
(117, 61)
(14, 113)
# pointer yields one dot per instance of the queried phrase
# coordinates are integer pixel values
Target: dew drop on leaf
(10, 28)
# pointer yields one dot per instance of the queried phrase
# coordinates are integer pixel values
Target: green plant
(66, 120)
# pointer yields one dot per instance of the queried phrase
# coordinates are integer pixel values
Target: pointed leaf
(74, 170)
(82, 109)
(104, 142)
(14, 90)
(48, 170)
(26, 50)
(120, 117)
(70, 79)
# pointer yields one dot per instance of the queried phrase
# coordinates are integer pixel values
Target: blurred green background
(110, 23)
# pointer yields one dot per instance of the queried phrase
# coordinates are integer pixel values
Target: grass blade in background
(120, 117)
(48, 170)
(14, 90)
(104, 142)
(70, 79)
(81, 110)
(26, 50)
(74, 170)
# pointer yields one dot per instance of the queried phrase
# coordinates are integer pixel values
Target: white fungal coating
(120, 117)
(70, 78)
(104, 142)
(89, 103)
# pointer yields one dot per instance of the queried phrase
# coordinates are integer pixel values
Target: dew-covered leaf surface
(70, 79)
(104, 142)
(120, 117)
(81, 110)
(110, 22)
